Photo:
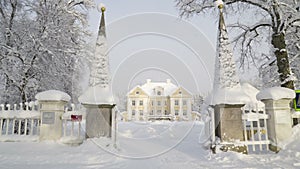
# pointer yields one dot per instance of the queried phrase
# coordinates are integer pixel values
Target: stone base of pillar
(235, 148)
(228, 122)
(229, 147)
(99, 121)
(274, 148)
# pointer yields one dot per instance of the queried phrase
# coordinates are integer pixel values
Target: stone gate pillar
(99, 112)
(51, 105)
(99, 120)
(277, 103)
(228, 122)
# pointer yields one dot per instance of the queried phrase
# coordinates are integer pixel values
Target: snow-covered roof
(276, 93)
(150, 88)
(97, 95)
(233, 96)
(52, 95)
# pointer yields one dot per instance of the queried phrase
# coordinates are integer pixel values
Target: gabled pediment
(137, 91)
(181, 92)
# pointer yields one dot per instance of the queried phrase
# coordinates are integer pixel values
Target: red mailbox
(76, 117)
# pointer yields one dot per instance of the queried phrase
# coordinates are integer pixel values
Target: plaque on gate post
(48, 117)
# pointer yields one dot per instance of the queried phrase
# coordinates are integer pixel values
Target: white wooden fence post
(7, 126)
(72, 128)
(31, 127)
(19, 127)
(25, 128)
(1, 123)
(65, 127)
(21, 106)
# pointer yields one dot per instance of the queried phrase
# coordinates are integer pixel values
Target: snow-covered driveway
(158, 145)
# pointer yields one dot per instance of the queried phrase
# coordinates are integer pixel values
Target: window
(184, 112)
(159, 93)
(133, 102)
(176, 102)
(151, 113)
(165, 103)
(152, 103)
(159, 112)
(176, 112)
(141, 112)
(158, 103)
(137, 92)
(165, 112)
(184, 102)
(133, 112)
(141, 102)
(180, 92)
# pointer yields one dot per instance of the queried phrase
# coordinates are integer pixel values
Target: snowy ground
(156, 145)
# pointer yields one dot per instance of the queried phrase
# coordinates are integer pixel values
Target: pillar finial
(219, 4)
(101, 8)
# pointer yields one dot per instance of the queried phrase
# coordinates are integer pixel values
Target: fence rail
(19, 124)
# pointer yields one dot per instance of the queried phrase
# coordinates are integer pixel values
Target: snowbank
(53, 95)
(97, 95)
(276, 93)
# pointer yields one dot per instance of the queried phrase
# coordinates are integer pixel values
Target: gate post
(51, 106)
(99, 112)
(277, 102)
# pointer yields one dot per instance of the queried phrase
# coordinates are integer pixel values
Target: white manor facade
(159, 100)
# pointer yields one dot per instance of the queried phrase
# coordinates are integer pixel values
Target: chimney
(148, 81)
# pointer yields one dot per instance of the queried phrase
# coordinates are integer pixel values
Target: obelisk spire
(100, 64)
(102, 22)
(225, 70)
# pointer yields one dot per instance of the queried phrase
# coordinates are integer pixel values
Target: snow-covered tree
(278, 18)
(121, 99)
(197, 101)
(40, 43)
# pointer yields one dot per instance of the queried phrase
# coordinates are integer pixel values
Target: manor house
(159, 100)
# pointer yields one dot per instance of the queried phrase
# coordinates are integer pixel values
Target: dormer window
(180, 92)
(159, 93)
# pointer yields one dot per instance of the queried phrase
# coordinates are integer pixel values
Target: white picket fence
(76, 129)
(73, 131)
(255, 129)
(22, 124)
(18, 123)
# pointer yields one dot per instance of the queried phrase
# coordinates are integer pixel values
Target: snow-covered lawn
(155, 145)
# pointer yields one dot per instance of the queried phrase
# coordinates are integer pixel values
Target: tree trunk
(283, 64)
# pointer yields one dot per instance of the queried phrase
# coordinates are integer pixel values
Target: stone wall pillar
(99, 120)
(277, 104)
(52, 105)
(99, 106)
(228, 122)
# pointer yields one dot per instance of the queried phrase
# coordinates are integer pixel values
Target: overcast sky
(147, 39)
